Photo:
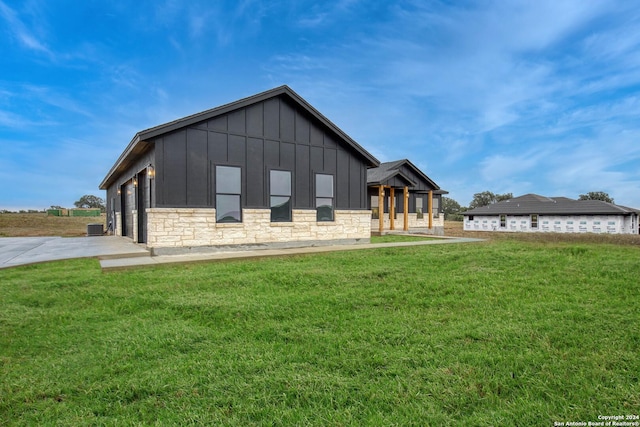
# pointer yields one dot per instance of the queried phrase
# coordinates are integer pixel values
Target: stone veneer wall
(117, 230)
(414, 223)
(175, 230)
(134, 225)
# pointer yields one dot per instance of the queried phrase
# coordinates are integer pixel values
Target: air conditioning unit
(95, 229)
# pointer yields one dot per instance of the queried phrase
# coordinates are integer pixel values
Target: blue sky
(503, 96)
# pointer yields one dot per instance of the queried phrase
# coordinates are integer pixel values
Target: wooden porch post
(392, 208)
(430, 209)
(406, 208)
(381, 208)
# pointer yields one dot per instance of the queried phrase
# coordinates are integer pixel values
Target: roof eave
(393, 174)
(126, 153)
(419, 172)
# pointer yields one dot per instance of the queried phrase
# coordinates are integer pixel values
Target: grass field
(506, 332)
(39, 224)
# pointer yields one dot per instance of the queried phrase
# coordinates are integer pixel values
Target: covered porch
(387, 216)
(402, 198)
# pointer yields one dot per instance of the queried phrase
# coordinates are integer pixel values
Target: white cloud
(498, 168)
(11, 120)
(20, 31)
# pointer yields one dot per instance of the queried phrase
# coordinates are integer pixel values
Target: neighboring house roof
(541, 205)
(141, 140)
(388, 170)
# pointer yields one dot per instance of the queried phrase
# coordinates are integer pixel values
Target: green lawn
(498, 333)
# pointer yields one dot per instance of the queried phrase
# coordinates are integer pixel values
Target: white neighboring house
(534, 213)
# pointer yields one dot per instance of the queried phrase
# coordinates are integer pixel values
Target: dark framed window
(503, 221)
(375, 211)
(280, 195)
(419, 208)
(324, 197)
(228, 194)
(534, 221)
(436, 207)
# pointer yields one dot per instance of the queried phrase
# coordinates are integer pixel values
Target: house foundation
(184, 230)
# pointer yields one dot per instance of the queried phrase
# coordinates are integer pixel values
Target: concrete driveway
(16, 251)
(119, 252)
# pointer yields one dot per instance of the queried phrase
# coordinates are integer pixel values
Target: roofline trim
(397, 172)
(419, 172)
(127, 151)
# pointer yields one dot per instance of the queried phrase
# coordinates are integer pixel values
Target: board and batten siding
(114, 197)
(272, 134)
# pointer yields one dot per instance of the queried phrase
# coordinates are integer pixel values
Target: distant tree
(487, 198)
(90, 201)
(451, 209)
(56, 207)
(596, 195)
(503, 197)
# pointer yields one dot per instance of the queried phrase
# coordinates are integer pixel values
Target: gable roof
(384, 172)
(536, 204)
(388, 170)
(140, 141)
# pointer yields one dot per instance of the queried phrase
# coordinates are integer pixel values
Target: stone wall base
(434, 231)
(117, 230)
(188, 228)
(415, 223)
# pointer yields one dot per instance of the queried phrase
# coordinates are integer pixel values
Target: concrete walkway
(122, 263)
(118, 252)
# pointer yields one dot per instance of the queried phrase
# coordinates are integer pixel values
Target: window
(228, 191)
(436, 207)
(324, 197)
(419, 209)
(280, 202)
(534, 221)
(375, 211)
(503, 221)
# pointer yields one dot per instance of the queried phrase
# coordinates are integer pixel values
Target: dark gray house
(534, 213)
(404, 190)
(265, 170)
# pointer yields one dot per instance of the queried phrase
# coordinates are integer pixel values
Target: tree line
(453, 211)
(87, 201)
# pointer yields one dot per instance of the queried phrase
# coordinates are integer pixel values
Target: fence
(73, 212)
